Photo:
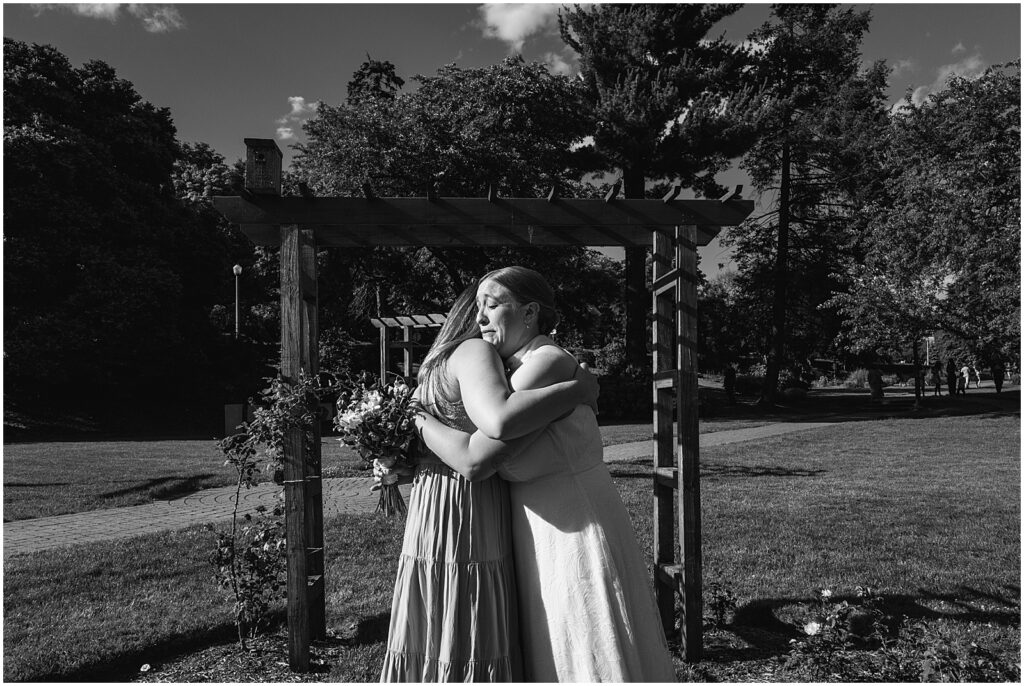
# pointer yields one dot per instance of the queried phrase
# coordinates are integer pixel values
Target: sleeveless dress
(586, 605)
(454, 612)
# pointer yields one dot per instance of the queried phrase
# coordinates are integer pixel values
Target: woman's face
(501, 319)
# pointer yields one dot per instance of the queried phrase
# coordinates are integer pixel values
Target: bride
(586, 608)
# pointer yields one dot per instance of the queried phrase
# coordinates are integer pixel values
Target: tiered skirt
(454, 612)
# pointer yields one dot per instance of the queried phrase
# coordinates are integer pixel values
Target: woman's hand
(589, 387)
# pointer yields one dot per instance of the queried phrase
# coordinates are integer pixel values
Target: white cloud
(970, 67)
(300, 107)
(959, 47)
(154, 18)
(96, 10)
(513, 23)
(902, 66)
(300, 112)
(157, 18)
(557, 64)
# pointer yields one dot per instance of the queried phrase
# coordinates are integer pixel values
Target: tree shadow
(366, 631)
(124, 666)
(640, 467)
(766, 635)
(45, 485)
(854, 405)
(165, 487)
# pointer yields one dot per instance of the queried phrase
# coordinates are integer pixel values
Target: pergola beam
(477, 222)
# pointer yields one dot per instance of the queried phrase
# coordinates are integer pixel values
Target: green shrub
(858, 378)
(611, 359)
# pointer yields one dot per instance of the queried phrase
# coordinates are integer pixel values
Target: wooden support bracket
(734, 194)
(613, 191)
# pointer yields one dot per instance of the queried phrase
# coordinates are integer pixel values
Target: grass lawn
(925, 511)
(46, 479)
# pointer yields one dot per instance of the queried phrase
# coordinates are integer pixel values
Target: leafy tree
(110, 270)
(840, 178)
(807, 64)
(955, 182)
(375, 80)
(664, 103)
(91, 298)
(509, 126)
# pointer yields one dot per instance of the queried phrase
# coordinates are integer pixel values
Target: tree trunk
(637, 298)
(775, 352)
(918, 389)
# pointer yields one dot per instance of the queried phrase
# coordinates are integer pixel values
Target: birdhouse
(262, 166)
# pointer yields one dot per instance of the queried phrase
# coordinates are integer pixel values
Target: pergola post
(687, 405)
(303, 490)
(302, 483)
(677, 477)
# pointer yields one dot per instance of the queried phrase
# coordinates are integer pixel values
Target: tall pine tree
(807, 57)
(665, 104)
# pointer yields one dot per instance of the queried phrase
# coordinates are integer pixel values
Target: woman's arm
(474, 456)
(503, 415)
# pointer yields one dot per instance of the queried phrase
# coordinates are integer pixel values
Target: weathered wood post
(664, 387)
(299, 356)
(677, 483)
(687, 403)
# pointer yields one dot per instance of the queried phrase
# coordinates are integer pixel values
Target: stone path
(341, 495)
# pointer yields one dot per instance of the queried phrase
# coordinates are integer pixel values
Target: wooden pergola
(407, 323)
(673, 227)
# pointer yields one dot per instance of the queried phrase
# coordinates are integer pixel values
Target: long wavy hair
(528, 286)
(459, 326)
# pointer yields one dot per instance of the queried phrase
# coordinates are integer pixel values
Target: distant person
(998, 374)
(875, 384)
(951, 376)
(935, 378)
(729, 382)
(961, 380)
(973, 375)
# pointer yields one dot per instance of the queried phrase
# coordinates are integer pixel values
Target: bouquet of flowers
(376, 418)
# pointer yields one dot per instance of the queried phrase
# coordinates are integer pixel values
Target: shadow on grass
(166, 487)
(852, 405)
(766, 635)
(123, 666)
(367, 631)
(643, 470)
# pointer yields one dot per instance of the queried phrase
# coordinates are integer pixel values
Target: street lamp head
(237, 269)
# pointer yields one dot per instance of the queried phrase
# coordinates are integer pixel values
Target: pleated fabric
(454, 613)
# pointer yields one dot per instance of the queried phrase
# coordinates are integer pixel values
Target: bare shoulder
(549, 353)
(547, 364)
(472, 351)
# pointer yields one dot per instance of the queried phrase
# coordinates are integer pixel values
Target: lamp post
(237, 269)
(928, 340)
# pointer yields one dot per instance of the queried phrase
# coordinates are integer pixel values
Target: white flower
(144, 668)
(371, 402)
(389, 479)
(349, 420)
(385, 462)
(826, 593)
(812, 628)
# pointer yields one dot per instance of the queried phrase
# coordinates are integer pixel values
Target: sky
(234, 71)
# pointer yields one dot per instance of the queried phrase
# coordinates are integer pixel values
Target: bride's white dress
(587, 610)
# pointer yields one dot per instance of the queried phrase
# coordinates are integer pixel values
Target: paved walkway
(341, 495)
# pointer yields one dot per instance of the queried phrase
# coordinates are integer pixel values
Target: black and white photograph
(511, 342)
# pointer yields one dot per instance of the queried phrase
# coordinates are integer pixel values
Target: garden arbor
(673, 227)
